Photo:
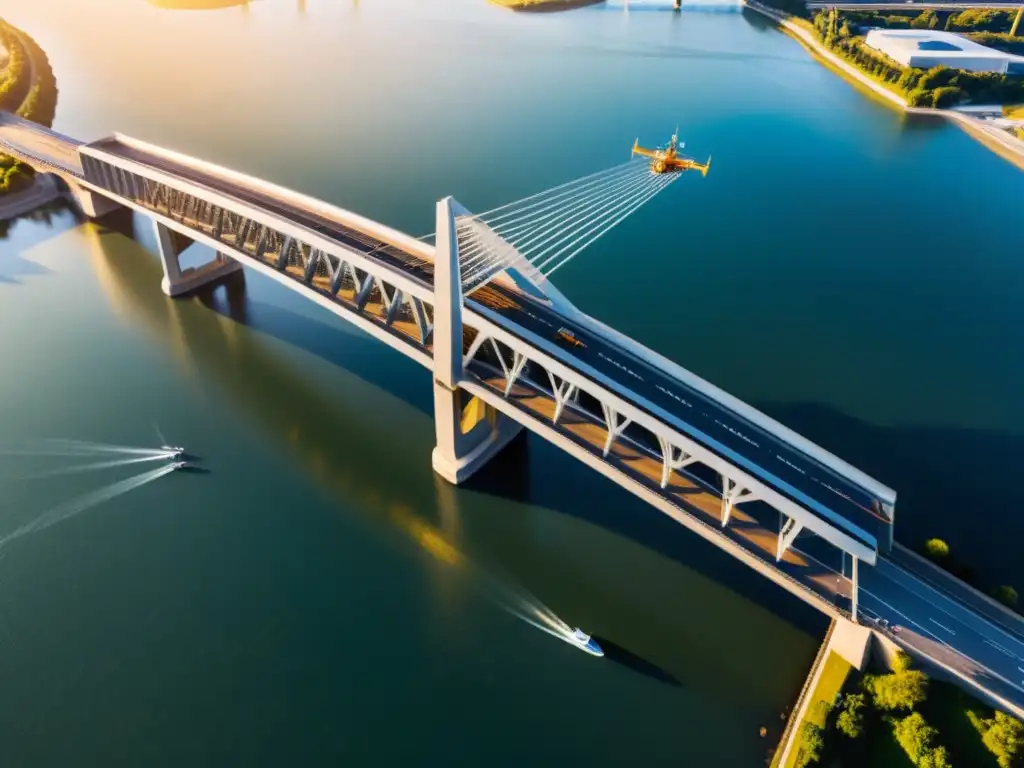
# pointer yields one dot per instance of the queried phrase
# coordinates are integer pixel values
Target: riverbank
(32, 91)
(1001, 142)
(544, 6)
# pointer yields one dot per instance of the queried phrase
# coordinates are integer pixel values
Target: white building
(927, 48)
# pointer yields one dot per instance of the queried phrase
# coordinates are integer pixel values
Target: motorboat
(586, 642)
(174, 450)
(179, 465)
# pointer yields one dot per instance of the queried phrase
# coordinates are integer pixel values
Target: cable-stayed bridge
(506, 350)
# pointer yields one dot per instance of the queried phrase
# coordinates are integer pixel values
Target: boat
(174, 450)
(586, 642)
(179, 465)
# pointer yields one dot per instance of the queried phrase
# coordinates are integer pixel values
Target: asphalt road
(789, 471)
(944, 629)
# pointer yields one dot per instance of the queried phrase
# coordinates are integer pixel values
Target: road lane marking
(943, 596)
(933, 621)
(998, 647)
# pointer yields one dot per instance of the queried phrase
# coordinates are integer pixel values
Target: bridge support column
(177, 281)
(468, 431)
(854, 585)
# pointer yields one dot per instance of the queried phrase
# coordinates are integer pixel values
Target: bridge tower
(177, 281)
(468, 431)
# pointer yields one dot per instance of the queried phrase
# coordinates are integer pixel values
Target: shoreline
(43, 189)
(543, 6)
(1007, 147)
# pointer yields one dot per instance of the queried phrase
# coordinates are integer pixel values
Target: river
(317, 595)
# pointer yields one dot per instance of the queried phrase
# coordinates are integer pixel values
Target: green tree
(851, 718)
(935, 550)
(905, 688)
(812, 742)
(936, 758)
(915, 736)
(1006, 595)
(926, 20)
(1005, 739)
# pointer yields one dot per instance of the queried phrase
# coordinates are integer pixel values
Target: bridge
(476, 307)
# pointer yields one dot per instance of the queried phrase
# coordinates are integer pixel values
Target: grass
(833, 677)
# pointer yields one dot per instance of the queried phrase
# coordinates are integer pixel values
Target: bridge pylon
(467, 430)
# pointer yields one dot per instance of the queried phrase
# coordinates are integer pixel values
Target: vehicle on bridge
(668, 160)
(564, 334)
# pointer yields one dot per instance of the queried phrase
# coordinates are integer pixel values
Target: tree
(918, 740)
(935, 550)
(901, 662)
(812, 742)
(1005, 739)
(851, 719)
(900, 690)
(1006, 595)
(926, 20)
(937, 758)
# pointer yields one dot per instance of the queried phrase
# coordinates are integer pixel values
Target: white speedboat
(586, 642)
(174, 450)
(179, 465)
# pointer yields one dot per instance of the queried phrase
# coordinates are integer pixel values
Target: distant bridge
(477, 309)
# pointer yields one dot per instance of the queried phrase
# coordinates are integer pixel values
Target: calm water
(318, 596)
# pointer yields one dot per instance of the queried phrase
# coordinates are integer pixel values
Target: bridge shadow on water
(532, 472)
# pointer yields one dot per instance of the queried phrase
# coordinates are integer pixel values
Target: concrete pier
(177, 281)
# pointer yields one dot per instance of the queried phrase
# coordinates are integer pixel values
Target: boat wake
(74, 507)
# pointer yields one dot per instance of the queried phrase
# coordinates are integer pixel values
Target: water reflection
(359, 465)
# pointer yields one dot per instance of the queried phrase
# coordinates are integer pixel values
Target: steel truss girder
(619, 413)
(672, 459)
(233, 230)
(160, 183)
(787, 535)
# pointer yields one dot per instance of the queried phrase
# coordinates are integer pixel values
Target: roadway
(943, 629)
(788, 470)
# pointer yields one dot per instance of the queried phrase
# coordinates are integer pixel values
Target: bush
(812, 742)
(918, 740)
(935, 550)
(947, 97)
(1005, 739)
(1006, 595)
(851, 719)
(904, 689)
(927, 20)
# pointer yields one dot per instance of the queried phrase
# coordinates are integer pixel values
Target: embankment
(1001, 142)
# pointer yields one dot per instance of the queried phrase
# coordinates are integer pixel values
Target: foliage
(980, 20)
(15, 85)
(936, 87)
(904, 688)
(1001, 41)
(812, 742)
(918, 740)
(1006, 595)
(927, 20)
(15, 178)
(850, 722)
(935, 550)
(1005, 739)
(901, 662)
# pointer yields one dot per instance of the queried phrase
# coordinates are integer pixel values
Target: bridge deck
(838, 501)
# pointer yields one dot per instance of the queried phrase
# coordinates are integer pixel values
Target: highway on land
(944, 629)
(791, 472)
